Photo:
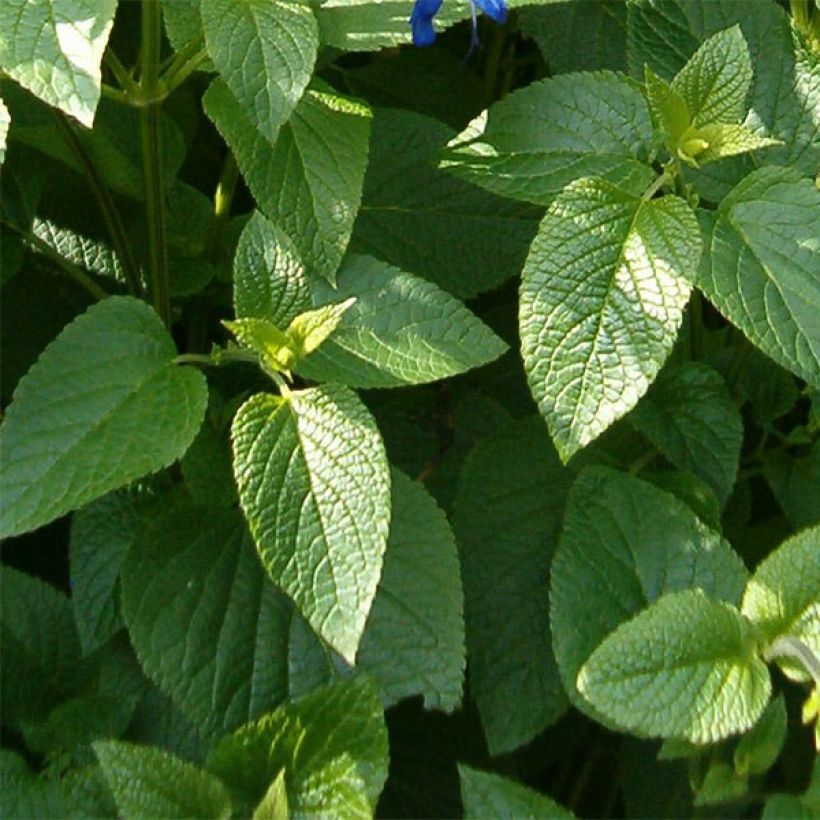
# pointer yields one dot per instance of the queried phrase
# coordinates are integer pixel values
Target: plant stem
(662, 180)
(75, 272)
(120, 72)
(185, 63)
(152, 161)
(113, 222)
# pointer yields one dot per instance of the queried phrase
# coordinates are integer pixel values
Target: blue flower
(421, 20)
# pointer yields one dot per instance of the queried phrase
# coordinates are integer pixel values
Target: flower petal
(495, 9)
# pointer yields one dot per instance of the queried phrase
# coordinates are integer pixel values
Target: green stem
(185, 63)
(641, 461)
(115, 94)
(120, 72)
(152, 161)
(110, 214)
(74, 272)
(664, 179)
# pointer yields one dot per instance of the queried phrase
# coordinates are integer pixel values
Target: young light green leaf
(148, 782)
(689, 415)
(309, 330)
(490, 795)
(716, 79)
(401, 330)
(265, 51)
(767, 227)
(192, 573)
(315, 487)
(274, 805)
(686, 667)
(306, 738)
(760, 747)
(310, 183)
(54, 49)
(782, 598)
(414, 639)
(669, 109)
(104, 404)
(274, 346)
(269, 280)
(336, 790)
(728, 140)
(602, 297)
(506, 529)
(624, 544)
(516, 150)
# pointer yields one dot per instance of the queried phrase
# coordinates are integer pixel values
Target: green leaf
(793, 806)
(92, 254)
(311, 329)
(490, 795)
(310, 182)
(273, 345)
(721, 784)
(101, 535)
(104, 404)
(54, 49)
(506, 529)
(767, 228)
(306, 738)
(689, 415)
(716, 79)
(795, 483)
(668, 107)
(760, 747)
(25, 795)
(274, 805)
(401, 330)
(335, 790)
(422, 219)
(269, 280)
(207, 467)
(265, 51)
(728, 140)
(624, 544)
(315, 487)
(147, 782)
(686, 667)
(517, 148)
(40, 647)
(192, 574)
(781, 597)
(414, 639)
(602, 298)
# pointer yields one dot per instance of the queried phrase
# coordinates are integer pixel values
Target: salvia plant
(410, 431)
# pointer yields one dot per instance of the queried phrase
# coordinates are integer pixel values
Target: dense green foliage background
(410, 432)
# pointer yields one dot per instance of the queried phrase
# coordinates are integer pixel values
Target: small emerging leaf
(263, 337)
(309, 329)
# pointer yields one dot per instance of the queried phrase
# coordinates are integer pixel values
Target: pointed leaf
(207, 624)
(264, 51)
(147, 782)
(315, 487)
(624, 544)
(54, 49)
(507, 528)
(273, 345)
(686, 667)
(104, 404)
(401, 330)
(274, 805)
(304, 738)
(24, 793)
(269, 279)
(728, 140)
(310, 182)
(689, 415)
(602, 297)
(766, 229)
(490, 795)
(414, 639)
(760, 747)
(309, 330)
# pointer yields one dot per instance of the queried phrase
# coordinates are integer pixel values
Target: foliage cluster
(388, 432)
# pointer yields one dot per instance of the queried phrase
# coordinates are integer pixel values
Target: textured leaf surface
(427, 221)
(539, 139)
(686, 667)
(761, 270)
(489, 795)
(315, 487)
(269, 280)
(305, 737)
(101, 535)
(716, 79)
(783, 595)
(54, 49)
(506, 530)
(602, 297)
(103, 405)
(147, 782)
(689, 415)
(401, 330)
(414, 640)
(24, 793)
(624, 544)
(310, 183)
(207, 624)
(264, 50)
